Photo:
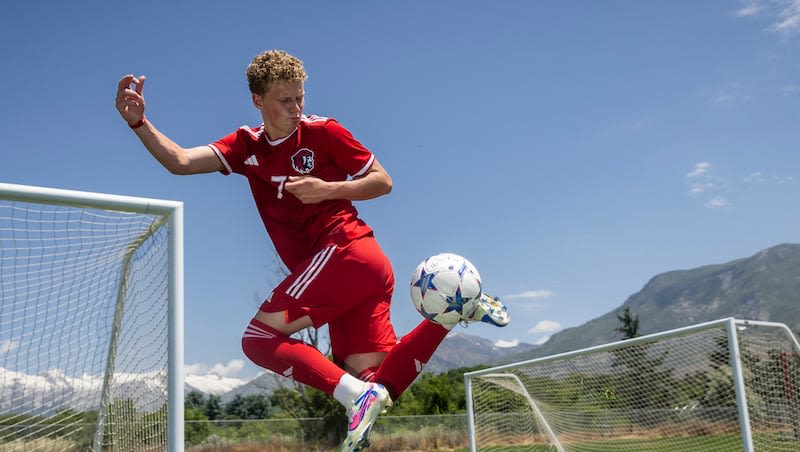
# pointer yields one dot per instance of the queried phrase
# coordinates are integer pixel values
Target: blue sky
(571, 150)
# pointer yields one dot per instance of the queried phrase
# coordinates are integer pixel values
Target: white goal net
(719, 386)
(90, 321)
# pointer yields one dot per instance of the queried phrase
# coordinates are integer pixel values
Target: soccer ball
(442, 284)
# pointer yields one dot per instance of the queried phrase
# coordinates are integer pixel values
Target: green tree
(196, 427)
(720, 390)
(644, 383)
(212, 407)
(256, 406)
(441, 393)
(630, 324)
(195, 399)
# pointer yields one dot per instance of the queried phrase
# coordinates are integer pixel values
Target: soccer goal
(91, 321)
(717, 386)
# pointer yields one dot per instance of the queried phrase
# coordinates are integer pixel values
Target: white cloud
(506, 344)
(713, 190)
(213, 384)
(700, 169)
(731, 94)
(702, 181)
(717, 201)
(7, 345)
(231, 369)
(542, 340)
(790, 90)
(755, 178)
(530, 294)
(750, 9)
(723, 99)
(758, 177)
(545, 326)
(699, 188)
(529, 300)
(788, 17)
(784, 14)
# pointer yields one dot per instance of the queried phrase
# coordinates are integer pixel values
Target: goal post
(723, 385)
(91, 321)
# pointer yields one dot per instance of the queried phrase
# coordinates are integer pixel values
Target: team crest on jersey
(303, 161)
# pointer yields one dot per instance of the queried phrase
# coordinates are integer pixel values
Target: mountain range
(764, 286)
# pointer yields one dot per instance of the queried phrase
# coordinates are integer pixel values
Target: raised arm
(176, 159)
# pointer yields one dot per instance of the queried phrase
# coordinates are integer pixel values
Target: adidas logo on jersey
(251, 161)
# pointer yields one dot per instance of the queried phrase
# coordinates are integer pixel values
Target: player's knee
(361, 361)
(277, 321)
(256, 338)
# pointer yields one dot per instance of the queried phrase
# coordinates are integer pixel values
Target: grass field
(698, 443)
(762, 442)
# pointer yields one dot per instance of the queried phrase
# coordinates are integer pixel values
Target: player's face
(281, 107)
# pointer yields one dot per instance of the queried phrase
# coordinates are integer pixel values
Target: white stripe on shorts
(314, 268)
(254, 331)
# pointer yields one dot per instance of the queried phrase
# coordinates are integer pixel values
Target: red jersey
(319, 147)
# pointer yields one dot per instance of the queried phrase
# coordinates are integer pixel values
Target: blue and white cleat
(487, 309)
(366, 408)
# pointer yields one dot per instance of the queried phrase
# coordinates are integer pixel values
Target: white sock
(348, 388)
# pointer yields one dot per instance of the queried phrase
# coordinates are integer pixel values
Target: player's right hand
(129, 100)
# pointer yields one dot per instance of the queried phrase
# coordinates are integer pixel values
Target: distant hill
(463, 350)
(765, 286)
(265, 383)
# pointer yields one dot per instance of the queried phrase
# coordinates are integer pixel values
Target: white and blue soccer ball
(442, 284)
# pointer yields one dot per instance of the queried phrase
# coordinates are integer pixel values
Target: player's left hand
(130, 101)
(308, 189)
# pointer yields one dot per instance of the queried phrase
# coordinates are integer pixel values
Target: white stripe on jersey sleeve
(366, 167)
(254, 133)
(221, 158)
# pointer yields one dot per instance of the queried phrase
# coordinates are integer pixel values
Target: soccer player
(304, 172)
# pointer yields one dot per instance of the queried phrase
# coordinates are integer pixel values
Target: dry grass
(432, 439)
(60, 445)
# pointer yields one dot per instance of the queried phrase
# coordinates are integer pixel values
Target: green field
(762, 442)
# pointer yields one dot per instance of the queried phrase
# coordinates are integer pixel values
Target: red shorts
(348, 287)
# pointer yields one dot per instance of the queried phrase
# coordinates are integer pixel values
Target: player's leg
(304, 298)
(363, 366)
(404, 366)
(274, 349)
(407, 359)
(361, 337)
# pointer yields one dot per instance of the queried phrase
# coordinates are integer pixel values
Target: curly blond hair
(272, 66)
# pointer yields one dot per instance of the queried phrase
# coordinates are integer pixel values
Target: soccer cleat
(487, 309)
(365, 441)
(365, 410)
